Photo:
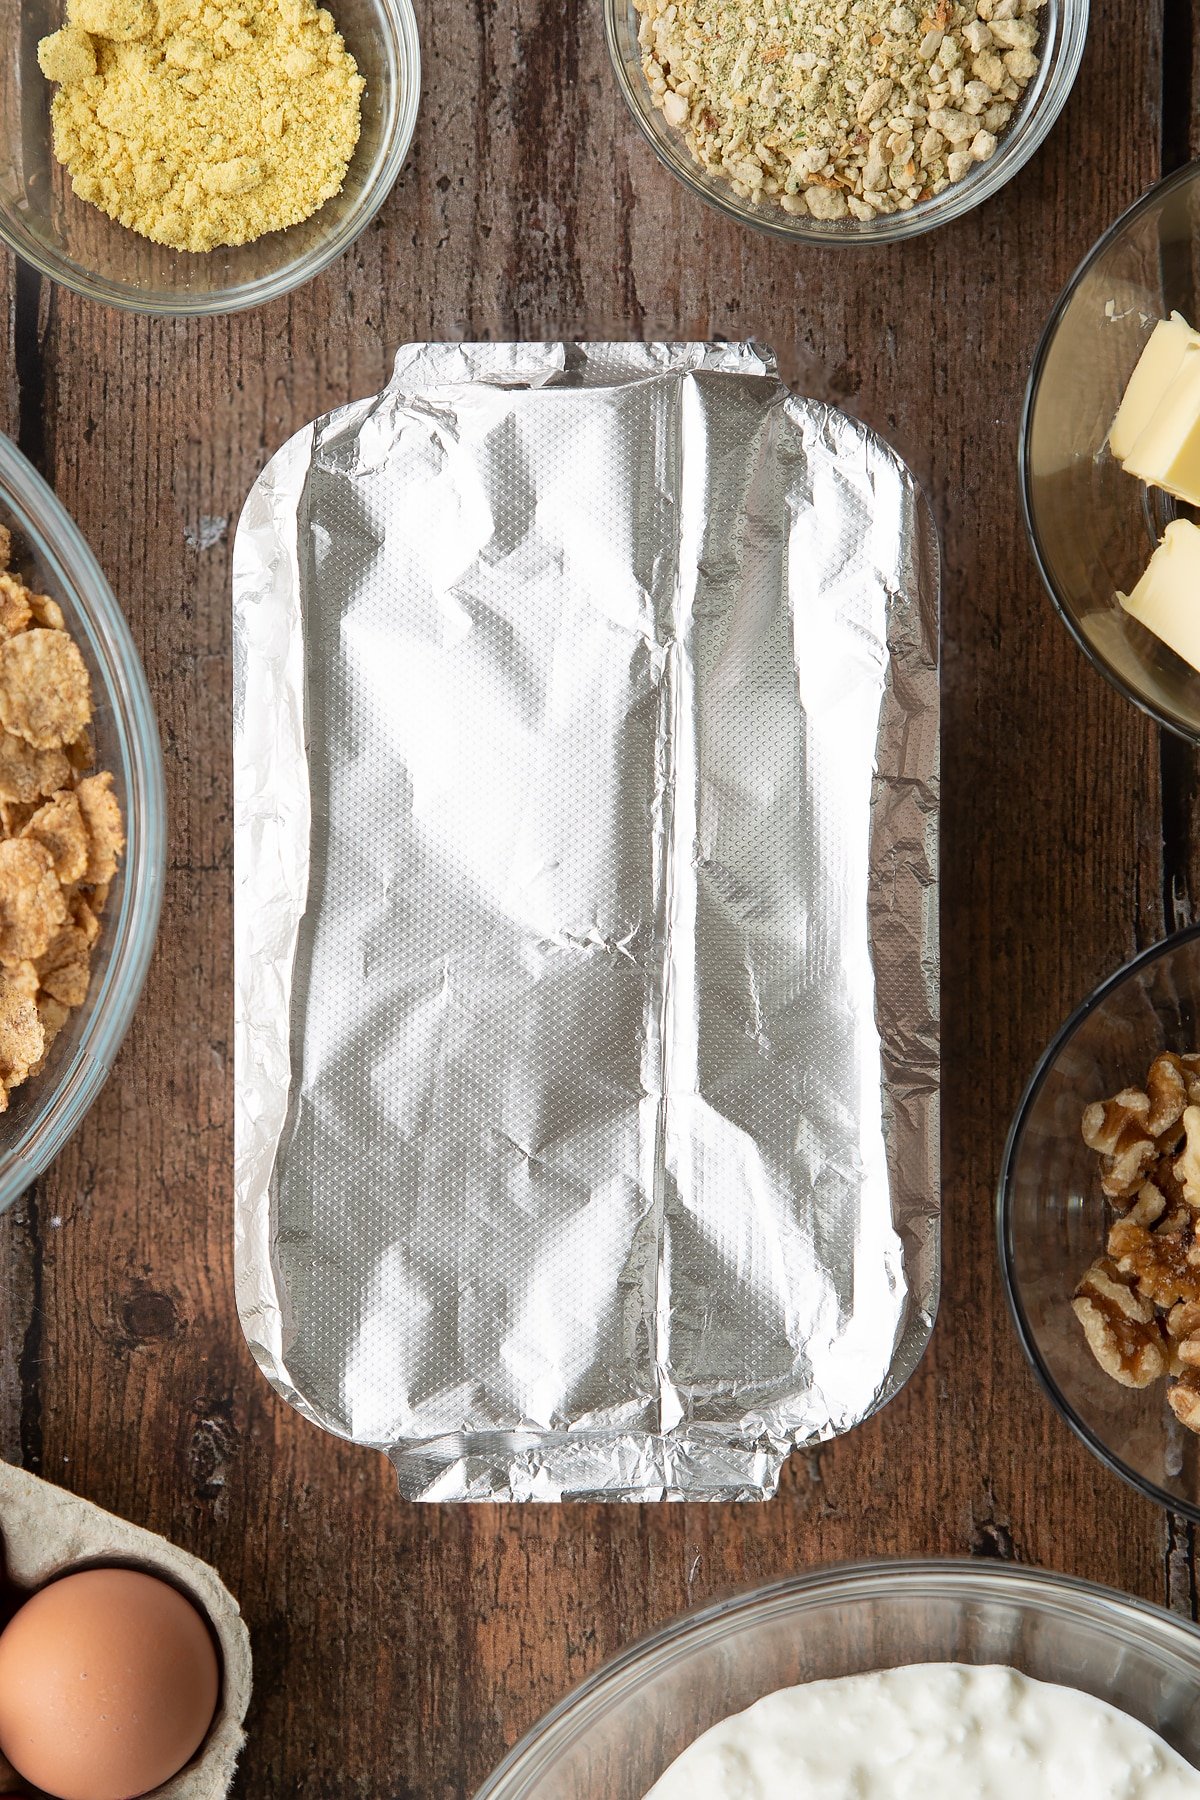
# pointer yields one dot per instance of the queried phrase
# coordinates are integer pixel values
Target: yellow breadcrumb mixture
(203, 122)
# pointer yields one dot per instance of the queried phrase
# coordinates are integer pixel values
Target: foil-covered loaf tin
(586, 921)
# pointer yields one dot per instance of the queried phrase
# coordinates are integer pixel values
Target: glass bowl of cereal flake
(1098, 1208)
(73, 240)
(79, 909)
(864, 124)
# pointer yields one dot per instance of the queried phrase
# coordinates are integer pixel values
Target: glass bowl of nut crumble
(862, 122)
(82, 826)
(1099, 1222)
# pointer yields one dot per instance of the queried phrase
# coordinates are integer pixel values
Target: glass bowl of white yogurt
(1119, 1670)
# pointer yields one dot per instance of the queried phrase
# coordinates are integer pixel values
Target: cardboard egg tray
(46, 1532)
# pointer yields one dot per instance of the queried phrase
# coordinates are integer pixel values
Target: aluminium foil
(586, 765)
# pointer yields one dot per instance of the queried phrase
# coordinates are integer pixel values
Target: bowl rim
(224, 302)
(110, 1008)
(1005, 1241)
(1190, 171)
(892, 228)
(929, 1575)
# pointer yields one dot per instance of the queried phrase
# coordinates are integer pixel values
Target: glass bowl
(1052, 1219)
(1093, 527)
(1063, 25)
(613, 1737)
(49, 552)
(75, 243)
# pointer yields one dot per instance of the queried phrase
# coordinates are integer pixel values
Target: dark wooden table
(400, 1650)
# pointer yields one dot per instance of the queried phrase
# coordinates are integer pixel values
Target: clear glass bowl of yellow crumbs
(1093, 525)
(75, 243)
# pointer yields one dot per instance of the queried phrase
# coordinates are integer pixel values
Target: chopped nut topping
(860, 108)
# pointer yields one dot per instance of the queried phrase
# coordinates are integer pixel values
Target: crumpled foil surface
(586, 921)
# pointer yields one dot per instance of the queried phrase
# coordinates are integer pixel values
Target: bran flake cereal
(45, 695)
(62, 828)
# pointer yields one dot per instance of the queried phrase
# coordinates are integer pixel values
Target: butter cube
(1150, 382)
(1167, 598)
(1167, 454)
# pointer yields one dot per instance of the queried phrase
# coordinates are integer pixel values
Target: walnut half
(1166, 1089)
(1187, 1166)
(1184, 1399)
(1122, 1328)
(1163, 1262)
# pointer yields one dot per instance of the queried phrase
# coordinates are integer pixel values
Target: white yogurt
(935, 1731)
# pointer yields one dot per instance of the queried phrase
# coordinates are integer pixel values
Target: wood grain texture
(400, 1651)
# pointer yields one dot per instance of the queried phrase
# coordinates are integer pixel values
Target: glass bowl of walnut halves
(1099, 1218)
(82, 826)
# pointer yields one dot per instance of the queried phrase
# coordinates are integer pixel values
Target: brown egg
(108, 1684)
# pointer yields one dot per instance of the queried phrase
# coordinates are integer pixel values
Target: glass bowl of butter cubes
(1110, 454)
